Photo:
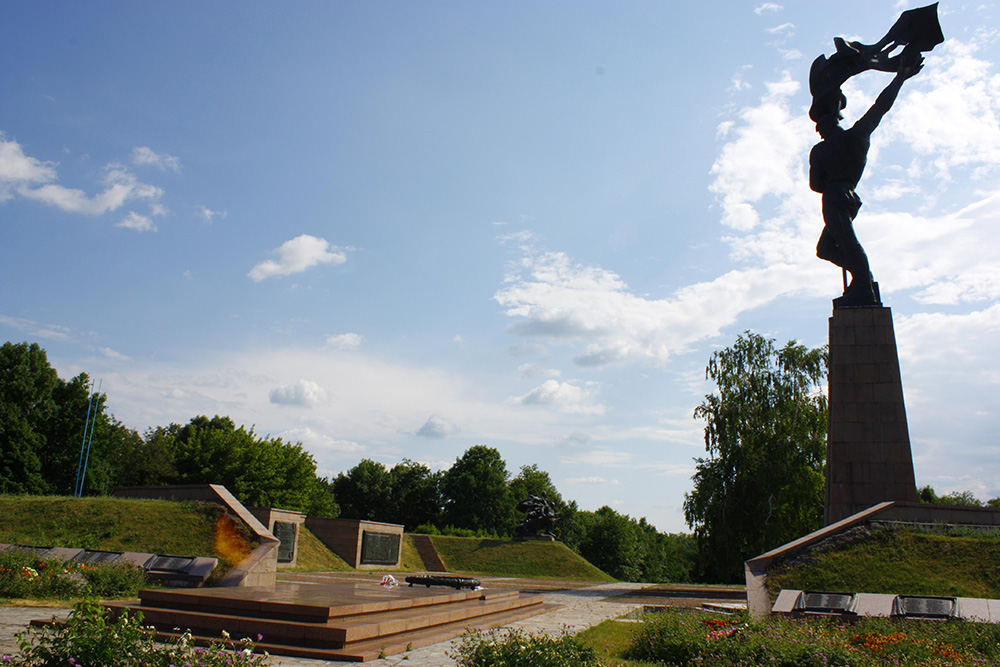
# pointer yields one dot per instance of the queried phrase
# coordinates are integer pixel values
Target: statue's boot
(858, 296)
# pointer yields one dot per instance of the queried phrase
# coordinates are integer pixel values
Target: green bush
(426, 529)
(452, 531)
(24, 575)
(516, 648)
(91, 637)
(114, 580)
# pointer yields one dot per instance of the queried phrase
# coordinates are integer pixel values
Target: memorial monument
(868, 444)
(542, 516)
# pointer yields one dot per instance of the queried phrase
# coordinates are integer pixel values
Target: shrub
(24, 575)
(426, 529)
(114, 580)
(452, 531)
(91, 637)
(516, 648)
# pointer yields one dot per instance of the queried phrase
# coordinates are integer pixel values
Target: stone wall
(352, 539)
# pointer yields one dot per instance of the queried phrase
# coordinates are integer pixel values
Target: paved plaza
(581, 608)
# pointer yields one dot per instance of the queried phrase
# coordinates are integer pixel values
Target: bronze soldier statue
(837, 162)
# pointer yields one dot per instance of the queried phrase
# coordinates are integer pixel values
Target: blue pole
(97, 409)
(83, 444)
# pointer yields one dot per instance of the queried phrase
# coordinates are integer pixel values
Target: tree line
(42, 428)
(760, 484)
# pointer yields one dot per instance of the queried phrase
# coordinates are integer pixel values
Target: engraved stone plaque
(379, 548)
(829, 603)
(285, 532)
(169, 563)
(924, 607)
(95, 557)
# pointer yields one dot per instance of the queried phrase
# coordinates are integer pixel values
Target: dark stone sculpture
(541, 516)
(837, 162)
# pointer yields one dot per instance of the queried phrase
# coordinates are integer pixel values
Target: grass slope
(123, 524)
(542, 560)
(901, 561)
(314, 556)
(111, 524)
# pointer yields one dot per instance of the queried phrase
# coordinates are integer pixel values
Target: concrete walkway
(582, 608)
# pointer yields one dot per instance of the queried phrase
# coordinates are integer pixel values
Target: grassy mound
(314, 556)
(542, 560)
(121, 524)
(903, 561)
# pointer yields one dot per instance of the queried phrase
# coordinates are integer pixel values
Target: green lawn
(502, 558)
(118, 524)
(315, 557)
(901, 561)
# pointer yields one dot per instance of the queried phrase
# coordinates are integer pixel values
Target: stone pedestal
(868, 457)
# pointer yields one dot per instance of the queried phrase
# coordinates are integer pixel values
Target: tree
(42, 422)
(926, 494)
(476, 493)
(363, 491)
(613, 543)
(765, 433)
(26, 385)
(415, 494)
(260, 472)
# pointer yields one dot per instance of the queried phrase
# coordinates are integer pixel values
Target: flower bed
(24, 575)
(685, 637)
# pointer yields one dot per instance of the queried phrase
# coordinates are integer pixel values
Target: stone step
(428, 554)
(308, 603)
(336, 632)
(390, 645)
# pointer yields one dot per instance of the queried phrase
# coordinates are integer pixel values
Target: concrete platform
(342, 620)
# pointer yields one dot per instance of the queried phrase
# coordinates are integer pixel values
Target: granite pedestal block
(868, 457)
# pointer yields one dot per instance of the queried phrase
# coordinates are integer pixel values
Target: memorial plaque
(41, 552)
(169, 563)
(825, 603)
(285, 532)
(379, 548)
(95, 557)
(924, 607)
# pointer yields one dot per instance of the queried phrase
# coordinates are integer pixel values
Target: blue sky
(399, 229)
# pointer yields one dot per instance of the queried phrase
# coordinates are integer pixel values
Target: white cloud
(143, 155)
(765, 159)
(670, 469)
(437, 426)
(737, 83)
(140, 223)
(322, 445)
(38, 329)
(113, 354)
(767, 7)
(297, 255)
(572, 303)
(563, 396)
(303, 393)
(598, 457)
(19, 170)
(345, 341)
(951, 110)
(209, 216)
(591, 480)
(120, 186)
(536, 371)
(784, 27)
